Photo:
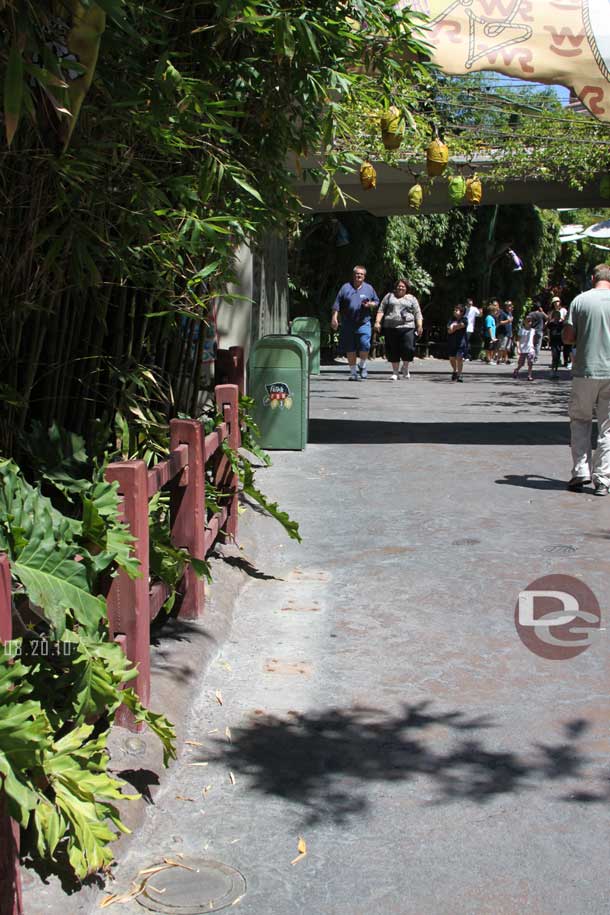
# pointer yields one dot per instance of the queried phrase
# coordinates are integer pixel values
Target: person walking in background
(525, 348)
(457, 341)
(472, 313)
(491, 340)
(555, 328)
(400, 316)
(509, 327)
(353, 303)
(588, 327)
(538, 321)
(566, 349)
(504, 331)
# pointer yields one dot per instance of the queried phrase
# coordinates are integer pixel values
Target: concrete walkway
(376, 697)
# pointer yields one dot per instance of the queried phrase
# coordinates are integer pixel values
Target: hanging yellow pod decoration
(474, 190)
(604, 187)
(437, 157)
(392, 128)
(368, 176)
(416, 196)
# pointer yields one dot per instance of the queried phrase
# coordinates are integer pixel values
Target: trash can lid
(280, 351)
(307, 324)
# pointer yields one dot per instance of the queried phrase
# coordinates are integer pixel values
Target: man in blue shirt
(354, 302)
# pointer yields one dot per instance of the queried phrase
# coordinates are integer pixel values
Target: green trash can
(278, 382)
(309, 329)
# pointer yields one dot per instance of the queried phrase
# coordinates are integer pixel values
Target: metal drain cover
(207, 886)
(562, 549)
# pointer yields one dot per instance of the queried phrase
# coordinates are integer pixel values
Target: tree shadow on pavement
(531, 481)
(377, 432)
(323, 761)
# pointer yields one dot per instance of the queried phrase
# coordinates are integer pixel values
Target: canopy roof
(561, 42)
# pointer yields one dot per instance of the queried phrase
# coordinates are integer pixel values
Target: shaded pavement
(376, 698)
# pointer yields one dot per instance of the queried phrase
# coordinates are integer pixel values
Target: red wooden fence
(10, 881)
(230, 367)
(134, 603)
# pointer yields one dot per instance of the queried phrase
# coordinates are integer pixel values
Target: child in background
(457, 341)
(554, 327)
(525, 348)
(491, 339)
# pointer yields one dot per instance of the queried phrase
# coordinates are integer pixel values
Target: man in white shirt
(472, 313)
(588, 327)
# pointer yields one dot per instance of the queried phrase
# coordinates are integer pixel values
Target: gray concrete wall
(234, 316)
(262, 281)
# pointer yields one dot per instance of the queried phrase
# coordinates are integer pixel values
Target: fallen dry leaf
(198, 764)
(232, 778)
(174, 863)
(302, 850)
(218, 695)
(194, 743)
(153, 870)
(149, 886)
(228, 734)
(205, 790)
(181, 797)
(120, 898)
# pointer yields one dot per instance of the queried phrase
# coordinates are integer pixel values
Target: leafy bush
(61, 678)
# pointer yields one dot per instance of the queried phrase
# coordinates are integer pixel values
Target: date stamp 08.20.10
(38, 648)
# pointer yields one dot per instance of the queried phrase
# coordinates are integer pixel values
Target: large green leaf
(102, 528)
(57, 583)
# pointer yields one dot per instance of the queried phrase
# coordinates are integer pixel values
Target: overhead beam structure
(390, 197)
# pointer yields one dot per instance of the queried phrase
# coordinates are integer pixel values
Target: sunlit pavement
(377, 700)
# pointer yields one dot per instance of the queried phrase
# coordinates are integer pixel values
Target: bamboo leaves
(13, 92)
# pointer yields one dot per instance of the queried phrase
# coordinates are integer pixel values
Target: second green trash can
(309, 329)
(278, 382)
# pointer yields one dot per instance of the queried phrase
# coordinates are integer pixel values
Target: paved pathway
(378, 700)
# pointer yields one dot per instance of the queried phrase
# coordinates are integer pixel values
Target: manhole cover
(466, 541)
(206, 886)
(561, 549)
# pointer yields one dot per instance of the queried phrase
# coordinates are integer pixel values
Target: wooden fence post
(230, 368)
(10, 879)
(129, 599)
(188, 512)
(227, 403)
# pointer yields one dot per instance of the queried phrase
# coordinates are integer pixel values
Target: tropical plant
(61, 678)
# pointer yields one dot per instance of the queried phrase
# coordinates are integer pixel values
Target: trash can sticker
(278, 395)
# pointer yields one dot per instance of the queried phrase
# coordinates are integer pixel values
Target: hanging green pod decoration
(457, 189)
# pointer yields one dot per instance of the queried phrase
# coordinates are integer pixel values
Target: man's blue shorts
(354, 338)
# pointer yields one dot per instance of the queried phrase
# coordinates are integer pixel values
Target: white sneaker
(406, 375)
(394, 377)
(364, 372)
